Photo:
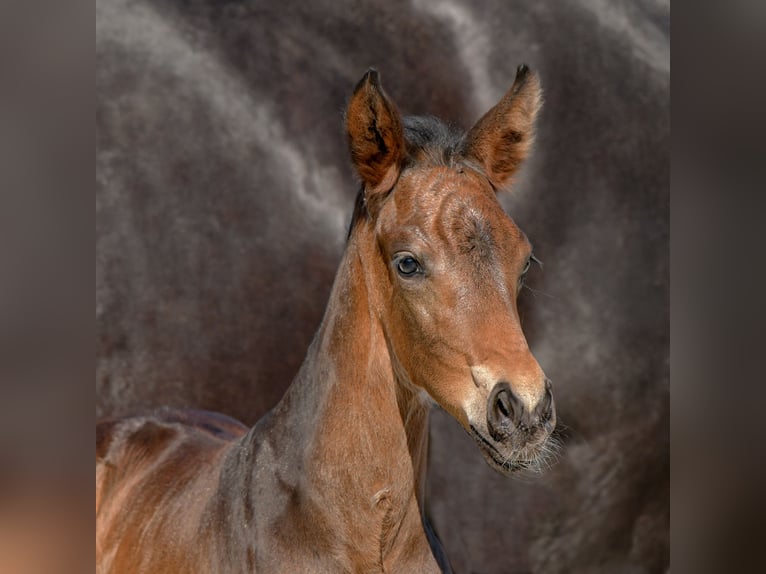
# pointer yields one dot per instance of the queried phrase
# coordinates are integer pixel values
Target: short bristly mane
(432, 141)
(429, 141)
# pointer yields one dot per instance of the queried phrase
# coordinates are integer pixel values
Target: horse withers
(423, 309)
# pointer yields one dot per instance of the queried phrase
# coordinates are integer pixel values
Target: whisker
(542, 461)
(538, 291)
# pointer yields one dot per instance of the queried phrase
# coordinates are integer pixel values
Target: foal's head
(446, 263)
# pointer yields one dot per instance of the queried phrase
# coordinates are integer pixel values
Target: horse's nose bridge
(527, 380)
(519, 369)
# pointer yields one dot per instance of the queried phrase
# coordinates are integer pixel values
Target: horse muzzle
(515, 437)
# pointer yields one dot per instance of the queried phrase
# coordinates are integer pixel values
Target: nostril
(545, 409)
(502, 411)
(546, 415)
(503, 404)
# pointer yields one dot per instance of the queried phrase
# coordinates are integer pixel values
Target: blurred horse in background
(214, 123)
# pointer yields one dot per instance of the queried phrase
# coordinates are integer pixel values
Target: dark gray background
(224, 190)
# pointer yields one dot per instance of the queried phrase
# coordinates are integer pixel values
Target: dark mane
(429, 140)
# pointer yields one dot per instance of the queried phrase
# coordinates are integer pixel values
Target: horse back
(154, 473)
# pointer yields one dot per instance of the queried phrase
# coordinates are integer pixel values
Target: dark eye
(407, 266)
(531, 259)
(524, 271)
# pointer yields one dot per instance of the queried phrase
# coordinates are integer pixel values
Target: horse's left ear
(375, 136)
(500, 141)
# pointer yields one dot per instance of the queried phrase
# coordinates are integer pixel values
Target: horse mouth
(506, 465)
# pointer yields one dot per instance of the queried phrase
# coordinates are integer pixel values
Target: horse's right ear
(375, 136)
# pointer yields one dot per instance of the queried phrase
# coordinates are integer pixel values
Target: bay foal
(423, 309)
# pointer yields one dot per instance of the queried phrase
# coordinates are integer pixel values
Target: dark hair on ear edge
(429, 140)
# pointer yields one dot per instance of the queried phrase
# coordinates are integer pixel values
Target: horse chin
(506, 468)
(532, 460)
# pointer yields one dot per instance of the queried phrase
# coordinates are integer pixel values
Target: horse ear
(502, 138)
(375, 136)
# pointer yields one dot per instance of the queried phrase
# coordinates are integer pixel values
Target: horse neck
(355, 433)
